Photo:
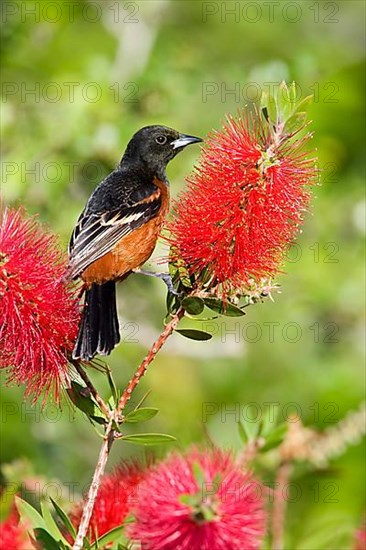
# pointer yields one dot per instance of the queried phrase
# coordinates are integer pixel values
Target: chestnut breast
(134, 249)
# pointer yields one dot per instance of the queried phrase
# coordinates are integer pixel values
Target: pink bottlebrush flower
(38, 313)
(13, 535)
(244, 204)
(360, 543)
(115, 495)
(201, 501)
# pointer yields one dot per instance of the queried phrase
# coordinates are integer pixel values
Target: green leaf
(143, 398)
(242, 433)
(51, 525)
(285, 106)
(141, 415)
(295, 122)
(48, 542)
(171, 302)
(269, 421)
(112, 386)
(264, 103)
(129, 519)
(224, 308)
(283, 91)
(193, 305)
(188, 499)
(149, 438)
(112, 402)
(248, 431)
(272, 109)
(29, 515)
(64, 518)
(206, 276)
(184, 277)
(178, 269)
(292, 92)
(173, 269)
(83, 403)
(198, 474)
(275, 438)
(283, 102)
(304, 103)
(108, 537)
(194, 334)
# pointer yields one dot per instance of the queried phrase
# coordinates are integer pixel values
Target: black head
(155, 146)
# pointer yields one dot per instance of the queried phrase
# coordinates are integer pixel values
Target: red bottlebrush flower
(13, 535)
(243, 205)
(38, 313)
(113, 503)
(201, 501)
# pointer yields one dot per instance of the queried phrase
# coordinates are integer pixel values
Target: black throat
(133, 162)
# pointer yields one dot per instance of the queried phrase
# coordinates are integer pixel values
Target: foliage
(301, 354)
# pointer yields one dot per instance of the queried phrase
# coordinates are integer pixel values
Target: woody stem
(279, 506)
(110, 434)
(141, 370)
(94, 486)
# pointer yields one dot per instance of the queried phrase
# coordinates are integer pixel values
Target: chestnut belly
(129, 253)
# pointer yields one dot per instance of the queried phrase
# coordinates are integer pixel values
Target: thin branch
(247, 456)
(141, 370)
(94, 487)
(103, 407)
(110, 434)
(279, 506)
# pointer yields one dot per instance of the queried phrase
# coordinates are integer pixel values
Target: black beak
(185, 140)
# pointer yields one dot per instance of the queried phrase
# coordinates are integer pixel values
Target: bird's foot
(163, 276)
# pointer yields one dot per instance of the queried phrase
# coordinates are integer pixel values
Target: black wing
(96, 234)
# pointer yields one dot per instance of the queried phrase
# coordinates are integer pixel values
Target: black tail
(99, 329)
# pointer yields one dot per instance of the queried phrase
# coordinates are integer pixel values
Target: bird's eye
(161, 140)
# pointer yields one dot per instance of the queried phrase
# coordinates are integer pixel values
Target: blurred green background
(78, 79)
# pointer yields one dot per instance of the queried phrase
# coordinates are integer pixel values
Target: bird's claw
(164, 277)
(169, 283)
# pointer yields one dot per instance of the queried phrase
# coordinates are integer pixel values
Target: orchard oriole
(117, 232)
